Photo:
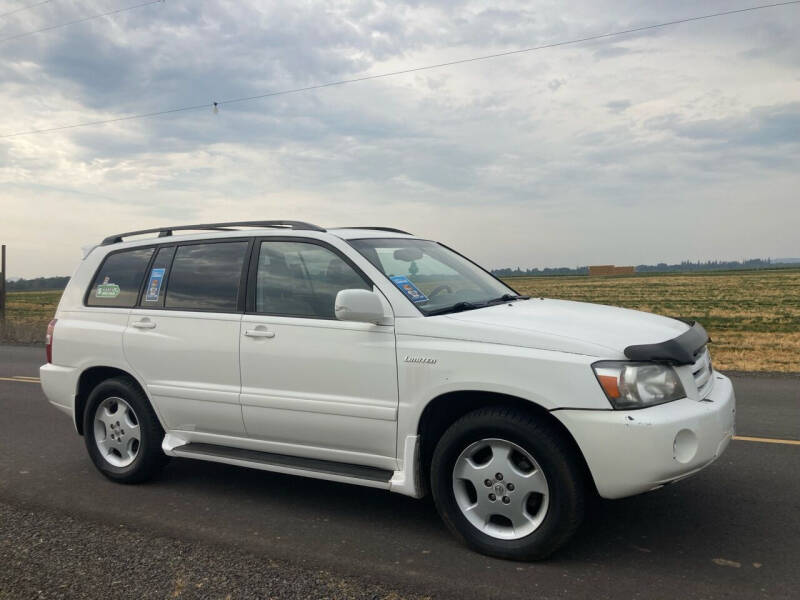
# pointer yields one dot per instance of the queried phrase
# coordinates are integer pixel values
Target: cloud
(612, 51)
(771, 126)
(618, 106)
(500, 158)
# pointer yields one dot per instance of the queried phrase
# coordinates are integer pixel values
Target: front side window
(434, 278)
(206, 277)
(119, 280)
(301, 279)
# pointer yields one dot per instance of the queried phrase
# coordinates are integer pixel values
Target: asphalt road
(732, 531)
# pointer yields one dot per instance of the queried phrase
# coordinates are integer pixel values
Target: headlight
(637, 385)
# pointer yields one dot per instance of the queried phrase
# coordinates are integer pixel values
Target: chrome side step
(296, 465)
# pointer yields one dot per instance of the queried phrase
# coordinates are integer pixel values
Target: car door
(314, 386)
(183, 337)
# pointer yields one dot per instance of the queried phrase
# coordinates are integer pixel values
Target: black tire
(557, 459)
(149, 459)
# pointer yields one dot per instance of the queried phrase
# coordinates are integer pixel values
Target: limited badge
(404, 284)
(154, 287)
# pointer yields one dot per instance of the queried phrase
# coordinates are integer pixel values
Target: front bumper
(629, 452)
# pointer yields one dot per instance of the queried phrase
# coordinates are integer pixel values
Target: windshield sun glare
(433, 277)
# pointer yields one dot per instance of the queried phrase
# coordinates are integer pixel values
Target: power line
(81, 20)
(21, 8)
(216, 104)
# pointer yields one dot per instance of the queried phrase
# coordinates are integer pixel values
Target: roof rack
(389, 229)
(167, 231)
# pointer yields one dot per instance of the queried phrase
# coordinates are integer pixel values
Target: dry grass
(752, 316)
(27, 316)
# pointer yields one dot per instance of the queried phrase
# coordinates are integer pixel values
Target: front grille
(703, 373)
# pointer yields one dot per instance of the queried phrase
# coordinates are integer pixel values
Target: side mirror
(359, 305)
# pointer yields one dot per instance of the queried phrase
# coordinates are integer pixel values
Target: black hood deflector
(682, 350)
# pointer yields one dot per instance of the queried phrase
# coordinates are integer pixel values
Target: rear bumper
(59, 385)
(629, 452)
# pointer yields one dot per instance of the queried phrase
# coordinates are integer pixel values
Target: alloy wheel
(500, 489)
(116, 432)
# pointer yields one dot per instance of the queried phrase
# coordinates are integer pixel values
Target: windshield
(434, 278)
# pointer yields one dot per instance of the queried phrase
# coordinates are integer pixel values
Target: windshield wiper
(461, 306)
(457, 307)
(506, 298)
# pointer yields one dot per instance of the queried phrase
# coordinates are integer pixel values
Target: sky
(673, 144)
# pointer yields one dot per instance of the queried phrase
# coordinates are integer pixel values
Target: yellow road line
(744, 438)
(25, 377)
(19, 380)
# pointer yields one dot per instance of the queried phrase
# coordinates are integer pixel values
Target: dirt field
(753, 317)
(27, 316)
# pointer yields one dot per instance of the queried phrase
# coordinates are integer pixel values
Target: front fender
(430, 367)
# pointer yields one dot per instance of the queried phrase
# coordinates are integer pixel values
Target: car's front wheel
(122, 433)
(508, 484)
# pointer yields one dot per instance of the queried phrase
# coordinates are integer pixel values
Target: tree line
(685, 266)
(38, 283)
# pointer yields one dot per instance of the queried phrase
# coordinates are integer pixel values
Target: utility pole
(3, 285)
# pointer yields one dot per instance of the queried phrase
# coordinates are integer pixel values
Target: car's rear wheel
(121, 431)
(508, 484)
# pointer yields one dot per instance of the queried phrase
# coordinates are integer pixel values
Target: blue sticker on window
(409, 289)
(154, 287)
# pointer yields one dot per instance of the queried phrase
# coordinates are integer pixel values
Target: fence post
(2, 289)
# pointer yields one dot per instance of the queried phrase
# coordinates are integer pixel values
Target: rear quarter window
(119, 279)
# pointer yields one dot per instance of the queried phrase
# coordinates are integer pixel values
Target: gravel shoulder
(47, 555)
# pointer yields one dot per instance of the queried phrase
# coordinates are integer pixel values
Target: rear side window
(119, 279)
(206, 277)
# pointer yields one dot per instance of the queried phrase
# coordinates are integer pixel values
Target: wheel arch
(444, 410)
(89, 379)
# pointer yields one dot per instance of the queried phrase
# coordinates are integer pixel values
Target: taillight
(51, 328)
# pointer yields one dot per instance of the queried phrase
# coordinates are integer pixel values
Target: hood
(577, 327)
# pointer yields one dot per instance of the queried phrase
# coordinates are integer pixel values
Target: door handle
(143, 324)
(259, 333)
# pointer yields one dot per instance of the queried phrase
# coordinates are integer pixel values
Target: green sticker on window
(107, 290)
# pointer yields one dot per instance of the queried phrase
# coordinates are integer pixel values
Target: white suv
(366, 355)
